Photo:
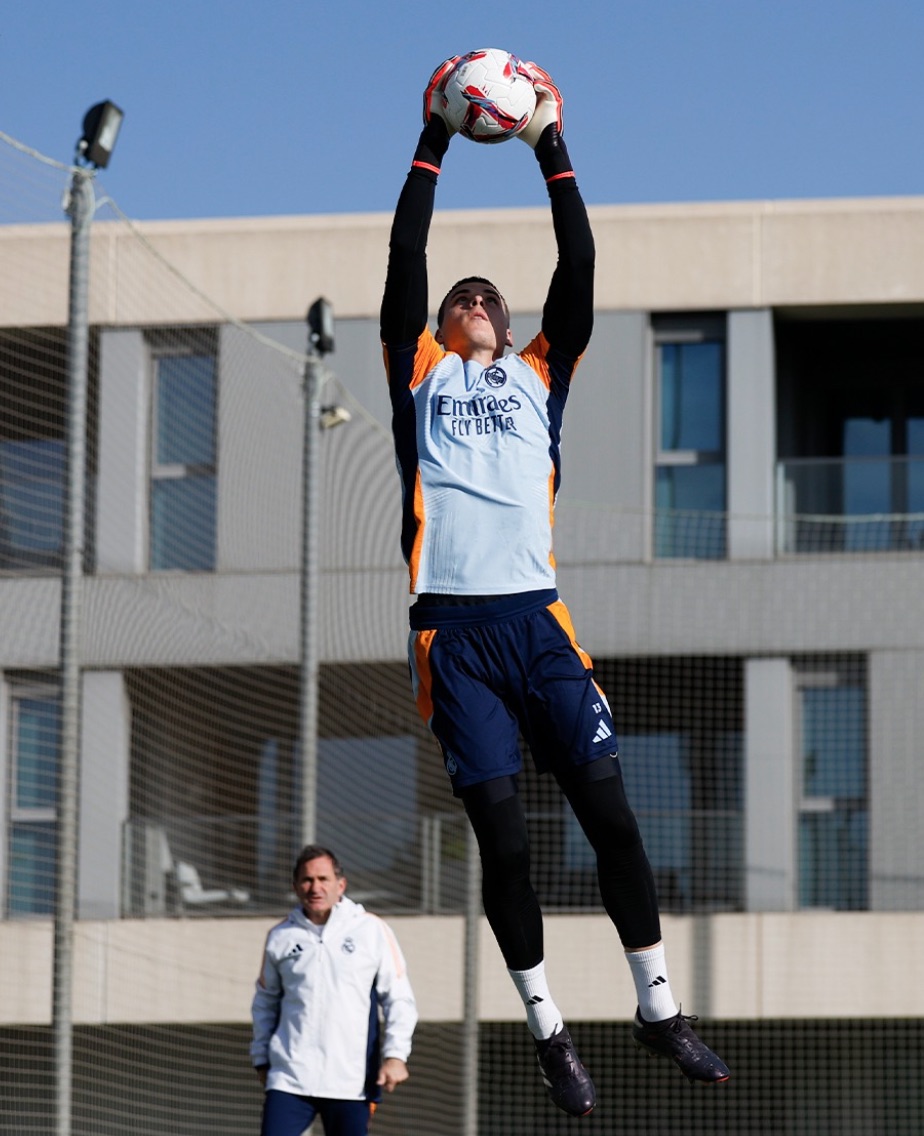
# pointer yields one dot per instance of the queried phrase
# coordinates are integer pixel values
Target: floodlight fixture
(321, 326)
(332, 416)
(101, 126)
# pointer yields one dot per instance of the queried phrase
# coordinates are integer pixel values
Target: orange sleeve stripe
(535, 355)
(421, 522)
(429, 353)
(552, 514)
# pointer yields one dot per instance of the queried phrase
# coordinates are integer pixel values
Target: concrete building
(739, 537)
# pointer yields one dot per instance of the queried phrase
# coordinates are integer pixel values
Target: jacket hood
(341, 915)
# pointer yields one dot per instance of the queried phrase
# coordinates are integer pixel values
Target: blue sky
(290, 106)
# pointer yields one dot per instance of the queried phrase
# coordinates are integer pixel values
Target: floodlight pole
(471, 985)
(320, 343)
(94, 148)
(80, 207)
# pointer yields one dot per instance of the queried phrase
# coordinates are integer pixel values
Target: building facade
(739, 538)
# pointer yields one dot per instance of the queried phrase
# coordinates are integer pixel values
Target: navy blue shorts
(286, 1114)
(482, 674)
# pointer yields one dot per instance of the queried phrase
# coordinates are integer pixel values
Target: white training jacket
(316, 1007)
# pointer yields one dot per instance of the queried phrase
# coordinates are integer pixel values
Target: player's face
(318, 888)
(475, 321)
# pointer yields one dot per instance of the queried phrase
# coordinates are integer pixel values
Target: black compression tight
(623, 872)
(510, 904)
(627, 886)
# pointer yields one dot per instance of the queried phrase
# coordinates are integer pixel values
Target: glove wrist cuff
(431, 146)
(552, 154)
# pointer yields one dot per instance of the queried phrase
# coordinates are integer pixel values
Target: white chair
(193, 894)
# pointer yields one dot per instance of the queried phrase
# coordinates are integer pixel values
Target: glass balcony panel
(690, 512)
(850, 504)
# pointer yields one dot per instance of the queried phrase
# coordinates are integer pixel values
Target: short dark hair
(468, 280)
(315, 852)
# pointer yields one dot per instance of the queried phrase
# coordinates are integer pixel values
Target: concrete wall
(809, 605)
(122, 464)
(105, 761)
(751, 433)
(709, 256)
(769, 778)
(896, 789)
(723, 966)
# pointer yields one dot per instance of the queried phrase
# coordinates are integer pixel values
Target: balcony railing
(850, 505)
(221, 865)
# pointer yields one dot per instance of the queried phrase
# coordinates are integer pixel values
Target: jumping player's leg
(512, 910)
(571, 731)
(458, 676)
(511, 907)
(597, 797)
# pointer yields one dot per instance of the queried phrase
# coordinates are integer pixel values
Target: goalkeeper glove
(548, 104)
(434, 99)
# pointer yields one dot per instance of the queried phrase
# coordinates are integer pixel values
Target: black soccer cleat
(568, 1082)
(675, 1039)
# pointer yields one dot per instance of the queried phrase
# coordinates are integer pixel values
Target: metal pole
(471, 986)
(80, 207)
(308, 733)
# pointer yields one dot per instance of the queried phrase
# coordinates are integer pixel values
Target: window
(851, 434)
(216, 776)
(680, 729)
(183, 462)
(883, 474)
(833, 808)
(377, 820)
(32, 848)
(33, 423)
(690, 494)
(32, 476)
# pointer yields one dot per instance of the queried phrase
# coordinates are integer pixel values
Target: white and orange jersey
(478, 454)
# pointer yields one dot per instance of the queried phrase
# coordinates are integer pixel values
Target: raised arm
(404, 303)
(568, 315)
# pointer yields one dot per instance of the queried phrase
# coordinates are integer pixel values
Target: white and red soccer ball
(487, 97)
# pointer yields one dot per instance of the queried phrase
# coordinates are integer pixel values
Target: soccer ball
(487, 97)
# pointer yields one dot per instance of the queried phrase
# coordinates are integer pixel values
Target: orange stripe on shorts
(563, 618)
(423, 641)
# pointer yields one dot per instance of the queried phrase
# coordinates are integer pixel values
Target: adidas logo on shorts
(603, 732)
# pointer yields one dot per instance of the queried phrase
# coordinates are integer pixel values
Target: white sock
(542, 1015)
(649, 972)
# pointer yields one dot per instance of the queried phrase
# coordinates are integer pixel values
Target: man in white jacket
(318, 1046)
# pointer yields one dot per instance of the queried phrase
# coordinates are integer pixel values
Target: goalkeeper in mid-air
(492, 648)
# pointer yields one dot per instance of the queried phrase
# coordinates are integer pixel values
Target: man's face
(318, 888)
(474, 320)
